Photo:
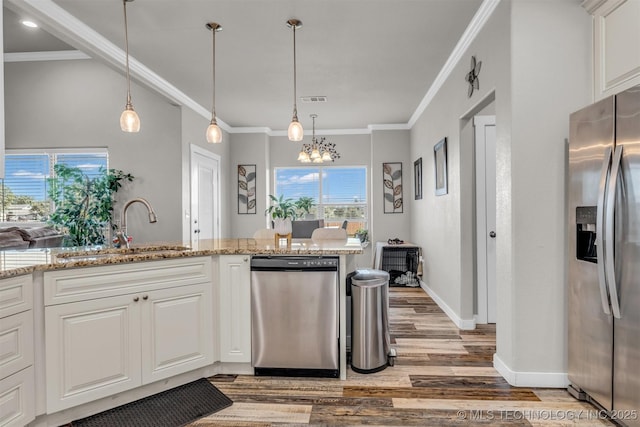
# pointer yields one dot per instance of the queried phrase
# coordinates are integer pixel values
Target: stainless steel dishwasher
(294, 316)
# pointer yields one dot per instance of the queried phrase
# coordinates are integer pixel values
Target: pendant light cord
(295, 84)
(213, 61)
(126, 44)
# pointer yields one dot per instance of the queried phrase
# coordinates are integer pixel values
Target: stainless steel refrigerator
(604, 255)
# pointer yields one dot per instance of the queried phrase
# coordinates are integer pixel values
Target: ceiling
(374, 60)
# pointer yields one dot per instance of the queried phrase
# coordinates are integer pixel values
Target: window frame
(52, 154)
(319, 205)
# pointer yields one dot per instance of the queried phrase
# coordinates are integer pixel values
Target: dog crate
(402, 264)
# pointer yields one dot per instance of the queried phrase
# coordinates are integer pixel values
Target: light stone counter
(17, 262)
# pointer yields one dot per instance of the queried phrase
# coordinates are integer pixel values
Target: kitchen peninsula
(88, 329)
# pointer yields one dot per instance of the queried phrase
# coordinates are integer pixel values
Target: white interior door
(485, 160)
(205, 195)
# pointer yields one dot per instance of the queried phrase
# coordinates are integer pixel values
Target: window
(23, 191)
(339, 193)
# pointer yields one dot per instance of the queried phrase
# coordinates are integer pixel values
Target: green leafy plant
(83, 205)
(304, 205)
(362, 234)
(281, 208)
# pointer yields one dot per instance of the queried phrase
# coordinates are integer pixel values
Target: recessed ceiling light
(29, 24)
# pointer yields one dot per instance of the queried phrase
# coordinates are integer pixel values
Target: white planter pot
(282, 225)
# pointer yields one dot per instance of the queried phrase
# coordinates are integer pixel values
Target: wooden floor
(442, 376)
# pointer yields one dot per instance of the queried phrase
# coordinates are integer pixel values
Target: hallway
(442, 376)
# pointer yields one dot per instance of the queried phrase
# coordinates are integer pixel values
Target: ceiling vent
(313, 99)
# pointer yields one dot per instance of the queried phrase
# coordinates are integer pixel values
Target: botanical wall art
(246, 189)
(392, 179)
(440, 156)
(417, 178)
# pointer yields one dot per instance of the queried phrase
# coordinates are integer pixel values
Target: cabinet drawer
(17, 401)
(16, 295)
(64, 286)
(16, 343)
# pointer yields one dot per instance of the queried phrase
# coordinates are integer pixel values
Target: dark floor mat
(171, 408)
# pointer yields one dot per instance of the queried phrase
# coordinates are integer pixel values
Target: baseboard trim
(466, 324)
(530, 379)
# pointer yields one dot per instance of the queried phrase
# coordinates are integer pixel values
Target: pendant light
(320, 150)
(295, 131)
(214, 133)
(129, 120)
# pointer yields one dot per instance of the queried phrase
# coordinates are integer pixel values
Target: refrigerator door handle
(610, 267)
(600, 228)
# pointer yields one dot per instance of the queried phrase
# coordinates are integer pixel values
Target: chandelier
(319, 150)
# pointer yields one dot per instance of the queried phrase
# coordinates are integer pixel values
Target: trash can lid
(369, 277)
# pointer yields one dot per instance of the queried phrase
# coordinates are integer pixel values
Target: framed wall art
(392, 181)
(417, 179)
(440, 158)
(246, 189)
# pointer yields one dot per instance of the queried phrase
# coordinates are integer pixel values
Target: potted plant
(304, 205)
(363, 235)
(83, 205)
(282, 211)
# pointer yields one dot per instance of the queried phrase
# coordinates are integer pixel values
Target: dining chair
(329, 234)
(264, 233)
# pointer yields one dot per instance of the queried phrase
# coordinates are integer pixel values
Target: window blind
(24, 188)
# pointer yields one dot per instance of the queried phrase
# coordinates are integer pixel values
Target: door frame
(215, 159)
(483, 291)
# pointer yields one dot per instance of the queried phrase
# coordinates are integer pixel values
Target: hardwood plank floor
(442, 376)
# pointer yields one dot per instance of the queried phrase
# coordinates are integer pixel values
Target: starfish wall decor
(472, 76)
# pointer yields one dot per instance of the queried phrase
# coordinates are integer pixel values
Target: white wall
(193, 133)
(551, 77)
(538, 76)
(390, 146)
(1, 101)
(248, 149)
(61, 104)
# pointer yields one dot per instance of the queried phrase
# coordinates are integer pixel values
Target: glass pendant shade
(326, 157)
(301, 156)
(295, 132)
(129, 120)
(214, 133)
(315, 154)
(317, 160)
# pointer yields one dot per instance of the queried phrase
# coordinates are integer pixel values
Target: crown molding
(477, 23)
(251, 129)
(592, 5)
(71, 30)
(395, 126)
(56, 55)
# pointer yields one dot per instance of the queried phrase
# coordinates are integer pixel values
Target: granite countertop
(17, 262)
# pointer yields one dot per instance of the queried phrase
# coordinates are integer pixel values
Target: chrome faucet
(122, 233)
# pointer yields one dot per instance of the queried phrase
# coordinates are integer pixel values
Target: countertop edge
(157, 252)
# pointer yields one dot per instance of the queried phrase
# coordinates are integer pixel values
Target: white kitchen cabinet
(113, 328)
(17, 402)
(235, 308)
(616, 45)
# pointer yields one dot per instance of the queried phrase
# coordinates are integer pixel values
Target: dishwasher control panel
(295, 262)
(320, 262)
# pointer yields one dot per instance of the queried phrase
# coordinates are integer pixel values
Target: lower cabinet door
(92, 350)
(177, 331)
(235, 308)
(17, 401)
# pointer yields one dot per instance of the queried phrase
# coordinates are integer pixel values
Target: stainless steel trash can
(370, 342)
